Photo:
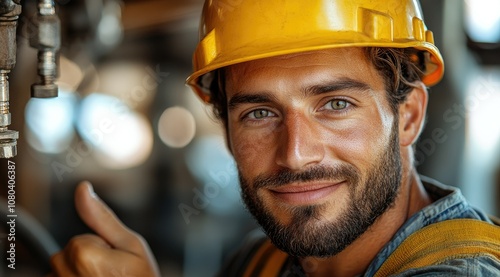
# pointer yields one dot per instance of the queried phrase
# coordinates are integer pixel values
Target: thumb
(100, 218)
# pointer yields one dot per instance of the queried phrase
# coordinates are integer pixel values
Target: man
(321, 102)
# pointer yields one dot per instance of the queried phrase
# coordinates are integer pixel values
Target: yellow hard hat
(235, 31)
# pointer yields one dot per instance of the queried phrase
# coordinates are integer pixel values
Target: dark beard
(306, 236)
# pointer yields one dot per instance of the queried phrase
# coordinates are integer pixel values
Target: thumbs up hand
(114, 250)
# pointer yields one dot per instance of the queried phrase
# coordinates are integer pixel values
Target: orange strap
(433, 244)
(436, 243)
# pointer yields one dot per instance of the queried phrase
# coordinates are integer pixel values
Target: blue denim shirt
(449, 204)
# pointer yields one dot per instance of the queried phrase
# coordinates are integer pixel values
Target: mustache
(318, 173)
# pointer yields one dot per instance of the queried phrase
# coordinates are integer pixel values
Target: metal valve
(8, 138)
(47, 39)
(9, 14)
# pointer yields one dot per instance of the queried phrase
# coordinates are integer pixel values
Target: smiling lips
(305, 194)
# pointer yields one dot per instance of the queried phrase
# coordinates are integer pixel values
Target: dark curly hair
(400, 68)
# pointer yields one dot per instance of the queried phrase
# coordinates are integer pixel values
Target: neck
(355, 259)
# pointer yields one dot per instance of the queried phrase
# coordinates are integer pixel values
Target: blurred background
(125, 121)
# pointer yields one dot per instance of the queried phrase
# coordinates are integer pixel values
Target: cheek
(358, 143)
(253, 151)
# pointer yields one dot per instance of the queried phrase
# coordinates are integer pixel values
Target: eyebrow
(266, 97)
(338, 85)
(240, 98)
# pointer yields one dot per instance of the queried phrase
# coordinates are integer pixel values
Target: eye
(260, 114)
(337, 104)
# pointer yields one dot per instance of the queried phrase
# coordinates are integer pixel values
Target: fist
(114, 250)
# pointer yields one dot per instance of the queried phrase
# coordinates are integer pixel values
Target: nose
(300, 143)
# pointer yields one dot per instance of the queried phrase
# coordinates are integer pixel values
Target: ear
(412, 115)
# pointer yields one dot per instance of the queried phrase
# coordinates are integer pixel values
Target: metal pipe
(47, 40)
(9, 15)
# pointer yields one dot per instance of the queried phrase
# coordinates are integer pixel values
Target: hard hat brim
(433, 74)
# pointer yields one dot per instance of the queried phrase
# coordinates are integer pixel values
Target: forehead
(302, 68)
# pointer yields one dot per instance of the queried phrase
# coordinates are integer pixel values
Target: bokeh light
(176, 127)
(49, 122)
(483, 20)
(483, 101)
(120, 137)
